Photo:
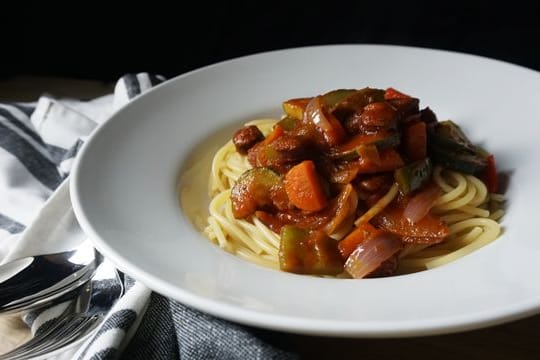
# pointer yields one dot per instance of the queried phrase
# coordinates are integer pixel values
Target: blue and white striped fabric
(38, 142)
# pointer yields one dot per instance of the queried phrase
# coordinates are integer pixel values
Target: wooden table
(512, 341)
(515, 340)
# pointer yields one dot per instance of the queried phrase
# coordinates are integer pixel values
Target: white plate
(125, 197)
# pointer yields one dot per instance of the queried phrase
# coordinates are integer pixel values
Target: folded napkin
(38, 143)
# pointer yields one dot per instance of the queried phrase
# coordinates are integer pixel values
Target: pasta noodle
(465, 205)
(463, 208)
(254, 242)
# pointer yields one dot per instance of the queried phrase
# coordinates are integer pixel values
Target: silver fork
(96, 297)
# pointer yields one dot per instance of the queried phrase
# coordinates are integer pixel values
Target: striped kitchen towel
(38, 142)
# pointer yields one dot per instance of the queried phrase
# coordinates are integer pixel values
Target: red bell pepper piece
(415, 140)
(489, 176)
(392, 93)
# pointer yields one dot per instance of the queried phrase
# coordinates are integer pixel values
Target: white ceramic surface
(124, 192)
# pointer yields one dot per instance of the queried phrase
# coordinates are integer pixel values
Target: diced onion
(369, 255)
(330, 127)
(420, 204)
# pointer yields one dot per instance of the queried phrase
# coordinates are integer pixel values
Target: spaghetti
(465, 205)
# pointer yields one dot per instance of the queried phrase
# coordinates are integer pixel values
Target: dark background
(94, 42)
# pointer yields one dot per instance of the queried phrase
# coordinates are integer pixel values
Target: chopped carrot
(362, 233)
(304, 188)
(392, 93)
(276, 133)
(415, 140)
(389, 159)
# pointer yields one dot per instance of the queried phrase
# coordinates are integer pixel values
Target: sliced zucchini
(253, 190)
(308, 252)
(447, 134)
(356, 100)
(448, 146)
(413, 176)
(288, 123)
(294, 108)
(458, 160)
(335, 96)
